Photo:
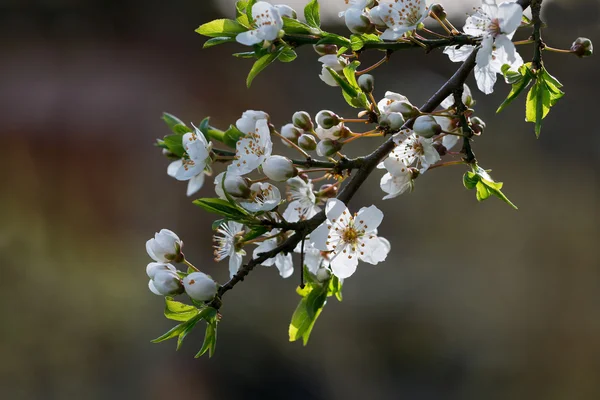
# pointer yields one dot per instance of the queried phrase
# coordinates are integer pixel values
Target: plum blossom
(303, 202)
(267, 21)
(400, 16)
(409, 150)
(399, 182)
(254, 148)
(195, 165)
(164, 247)
(200, 286)
(164, 280)
(227, 244)
(263, 197)
(349, 238)
(282, 261)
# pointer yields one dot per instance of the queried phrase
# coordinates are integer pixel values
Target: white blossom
(164, 280)
(395, 185)
(400, 16)
(235, 185)
(303, 202)
(279, 168)
(267, 21)
(410, 150)
(350, 238)
(282, 261)
(252, 149)
(226, 244)
(200, 286)
(164, 247)
(195, 165)
(263, 197)
(395, 103)
(335, 63)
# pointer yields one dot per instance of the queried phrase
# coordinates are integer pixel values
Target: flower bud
(324, 49)
(291, 133)
(165, 283)
(323, 274)
(307, 142)
(438, 11)
(477, 125)
(338, 131)
(366, 82)
(327, 119)
(328, 191)
(154, 267)
(358, 22)
(392, 121)
(302, 120)
(200, 286)
(426, 126)
(165, 247)
(328, 147)
(236, 186)
(279, 168)
(582, 47)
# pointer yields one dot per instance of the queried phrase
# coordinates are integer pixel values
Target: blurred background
(476, 301)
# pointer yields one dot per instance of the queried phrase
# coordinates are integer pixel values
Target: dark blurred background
(476, 301)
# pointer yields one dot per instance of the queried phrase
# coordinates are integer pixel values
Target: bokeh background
(476, 301)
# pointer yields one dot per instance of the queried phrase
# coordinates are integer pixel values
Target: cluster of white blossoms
(165, 279)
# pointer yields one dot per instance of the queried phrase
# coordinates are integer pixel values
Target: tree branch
(536, 6)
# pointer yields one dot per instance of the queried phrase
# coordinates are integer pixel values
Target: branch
(536, 6)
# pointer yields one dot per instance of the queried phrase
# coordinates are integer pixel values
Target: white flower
(412, 149)
(334, 62)
(350, 238)
(226, 244)
(395, 185)
(235, 185)
(313, 258)
(496, 24)
(358, 21)
(333, 133)
(356, 4)
(267, 20)
(251, 150)
(395, 102)
(200, 286)
(195, 165)
(467, 98)
(164, 280)
(279, 168)
(195, 183)
(283, 262)
(263, 197)
(303, 202)
(164, 247)
(400, 16)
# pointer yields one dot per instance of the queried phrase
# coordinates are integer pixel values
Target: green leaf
(350, 74)
(296, 27)
(359, 41)
(209, 131)
(232, 135)
(221, 28)
(517, 87)
(216, 224)
(245, 54)
(174, 144)
(479, 179)
(346, 87)
(210, 336)
(312, 14)
(332, 38)
(249, 11)
(287, 55)
(307, 312)
(260, 64)
(240, 13)
(334, 287)
(179, 329)
(221, 207)
(175, 124)
(217, 41)
(255, 232)
(538, 104)
(179, 311)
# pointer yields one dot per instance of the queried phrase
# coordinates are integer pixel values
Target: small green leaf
(216, 224)
(209, 131)
(240, 13)
(307, 312)
(221, 207)
(332, 38)
(249, 11)
(312, 14)
(221, 28)
(516, 90)
(260, 64)
(174, 144)
(179, 311)
(479, 179)
(217, 41)
(245, 54)
(359, 41)
(335, 287)
(255, 232)
(179, 329)
(232, 135)
(350, 74)
(175, 124)
(287, 55)
(296, 27)
(538, 104)
(210, 336)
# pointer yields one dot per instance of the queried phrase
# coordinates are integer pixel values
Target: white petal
(195, 184)
(248, 38)
(153, 288)
(235, 261)
(284, 264)
(374, 250)
(486, 78)
(335, 208)
(318, 237)
(484, 55)
(510, 15)
(459, 54)
(342, 266)
(368, 218)
(265, 247)
(174, 167)
(506, 50)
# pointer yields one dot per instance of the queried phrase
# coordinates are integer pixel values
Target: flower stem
(447, 164)
(294, 145)
(189, 264)
(521, 42)
(552, 49)
(376, 65)
(442, 24)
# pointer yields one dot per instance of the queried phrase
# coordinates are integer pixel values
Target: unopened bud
(307, 142)
(327, 119)
(426, 126)
(236, 186)
(582, 47)
(477, 125)
(323, 274)
(328, 147)
(358, 22)
(302, 120)
(438, 11)
(392, 121)
(324, 49)
(286, 11)
(166, 283)
(366, 82)
(200, 286)
(328, 191)
(291, 133)
(279, 168)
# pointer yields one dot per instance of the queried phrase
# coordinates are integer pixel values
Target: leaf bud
(358, 22)
(582, 47)
(426, 126)
(200, 286)
(307, 142)
(324, 49)
(392, 121)
(302, 120)
(291, 133)
(328, 147)
(439, 11)
(327, 119)
(366, 82)
(279, 168)
(323, 274)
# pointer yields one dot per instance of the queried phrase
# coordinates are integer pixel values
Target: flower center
(494, 27)
(350, 235)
